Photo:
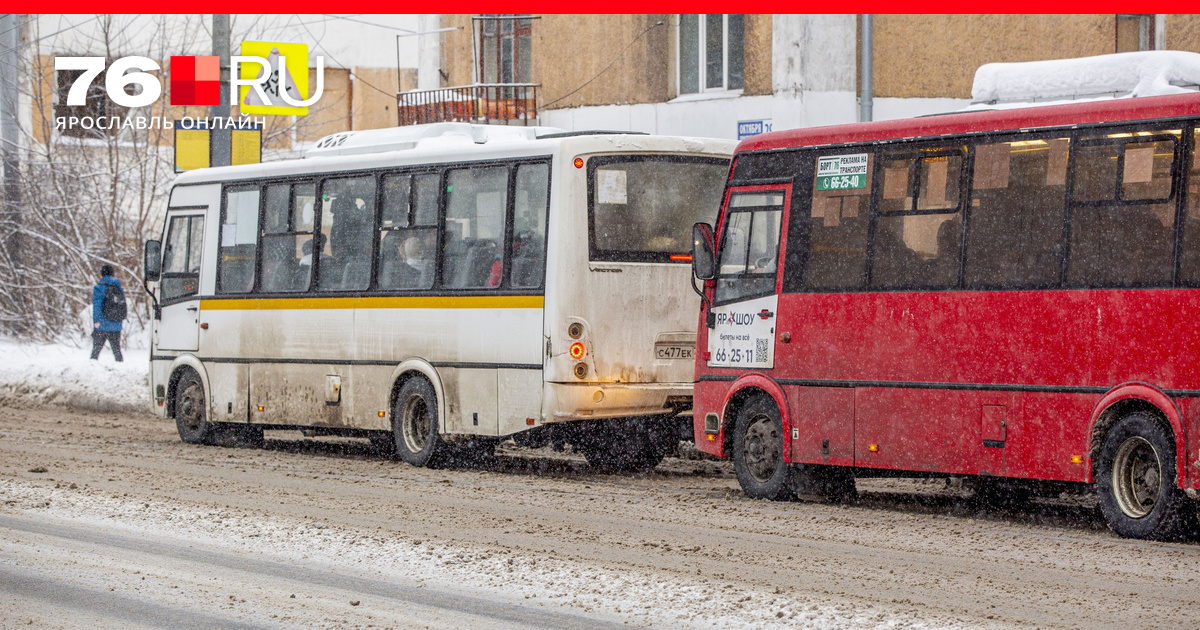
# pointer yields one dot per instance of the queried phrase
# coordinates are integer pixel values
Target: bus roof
(406, 147)
(1024, 118)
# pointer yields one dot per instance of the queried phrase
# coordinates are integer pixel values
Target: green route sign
(842, 172)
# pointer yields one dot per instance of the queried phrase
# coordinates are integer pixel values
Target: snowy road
(107, 520)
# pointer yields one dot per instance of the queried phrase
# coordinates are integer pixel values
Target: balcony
(503, 103)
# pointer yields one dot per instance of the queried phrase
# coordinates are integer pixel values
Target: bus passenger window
(1117, 238)
(914, 247)
(347, 223)
(287, 238)
(837, 243)
(476, 204)
(529, 226)
(1189, 255)
(1017, 206)
(181, 257)
(407, 238)
(239, 241)
(749, 256)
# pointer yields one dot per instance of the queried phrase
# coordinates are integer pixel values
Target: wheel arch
(1131, 397)
(175, 372)
(413, 368)
(742, 390)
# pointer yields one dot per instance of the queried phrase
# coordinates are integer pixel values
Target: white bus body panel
(500, 367)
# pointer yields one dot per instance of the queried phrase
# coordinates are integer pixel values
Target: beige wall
(568, 50)
(936, 55)
(1183, 32)
(757, 55)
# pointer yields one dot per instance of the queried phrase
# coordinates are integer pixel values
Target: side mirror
(704, 261)
(152, 261)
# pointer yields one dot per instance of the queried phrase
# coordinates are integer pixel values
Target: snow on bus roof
(987, 121)
(1148, 73)
(409, 137)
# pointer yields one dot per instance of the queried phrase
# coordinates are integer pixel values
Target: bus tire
(758, 451)
(191, 412)
(415, 424)
(1136, 481)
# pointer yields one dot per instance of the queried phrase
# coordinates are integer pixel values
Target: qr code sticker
(760, 350)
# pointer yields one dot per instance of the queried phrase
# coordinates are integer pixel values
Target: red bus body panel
(1008, 383)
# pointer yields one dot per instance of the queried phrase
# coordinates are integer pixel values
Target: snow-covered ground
(62, 374)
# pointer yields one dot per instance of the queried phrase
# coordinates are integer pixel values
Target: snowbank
(61, 374)
(1150, 73)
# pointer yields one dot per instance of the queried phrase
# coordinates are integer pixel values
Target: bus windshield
(642, 208)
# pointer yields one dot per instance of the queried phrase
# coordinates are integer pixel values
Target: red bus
(1009, 295)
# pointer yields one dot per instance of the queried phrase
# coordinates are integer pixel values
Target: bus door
(745, 299)
(179, 328)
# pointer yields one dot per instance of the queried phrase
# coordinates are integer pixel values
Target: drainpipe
(866, 103)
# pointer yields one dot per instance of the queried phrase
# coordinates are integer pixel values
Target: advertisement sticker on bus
(842, 172)
(744, 334)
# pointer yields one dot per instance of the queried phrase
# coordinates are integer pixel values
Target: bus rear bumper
(565, 402)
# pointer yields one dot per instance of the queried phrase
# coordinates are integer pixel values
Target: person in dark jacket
(104, 329)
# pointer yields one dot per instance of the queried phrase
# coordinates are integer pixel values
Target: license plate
(674, 351)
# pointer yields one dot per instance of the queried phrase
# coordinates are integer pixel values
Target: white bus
(438, 288)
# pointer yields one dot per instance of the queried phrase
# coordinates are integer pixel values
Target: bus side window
(529, 226)
(1189, 256)
(407, 232)
(837, 242)
(476, 205)
(287, 238)
(181, 257)
(1017, 212)
(1119, 236)
(347, 223)
(915, 246)
(239, 241)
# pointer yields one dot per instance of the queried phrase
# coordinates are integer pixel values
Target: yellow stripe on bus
(422, 301)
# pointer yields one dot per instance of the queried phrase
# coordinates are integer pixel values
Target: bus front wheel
(758, 451)
(414, 422)
(191, 415)
(1136, 481)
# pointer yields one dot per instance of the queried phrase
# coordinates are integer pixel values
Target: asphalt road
(110, 521)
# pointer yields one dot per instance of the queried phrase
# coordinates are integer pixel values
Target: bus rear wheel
(191, 415)
(1136, 481)
(758, 451)
(415, 425)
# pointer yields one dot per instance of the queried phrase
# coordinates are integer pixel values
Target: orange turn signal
(260, 407)
(874, 448)
(578, 162)
(382, 414)
(1076, 459)
(577, 350)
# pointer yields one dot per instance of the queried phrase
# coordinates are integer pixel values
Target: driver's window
(749, 257)
(181, 256)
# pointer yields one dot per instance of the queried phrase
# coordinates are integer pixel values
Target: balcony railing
(479, 103)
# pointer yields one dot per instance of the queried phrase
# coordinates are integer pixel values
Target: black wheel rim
(763, 448)
(1137, 477)
(191, 408)
(415, 424)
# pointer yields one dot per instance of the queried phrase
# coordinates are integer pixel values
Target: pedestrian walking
(108, 313)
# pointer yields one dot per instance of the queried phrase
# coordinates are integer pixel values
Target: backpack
(114, 309)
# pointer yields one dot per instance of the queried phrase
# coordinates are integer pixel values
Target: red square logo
(195, 80)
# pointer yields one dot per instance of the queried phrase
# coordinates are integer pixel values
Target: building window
(97, 107)
(504, 49)
(1135, 32)
(710, 53)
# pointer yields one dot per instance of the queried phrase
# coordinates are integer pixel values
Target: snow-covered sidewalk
(64, 375)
